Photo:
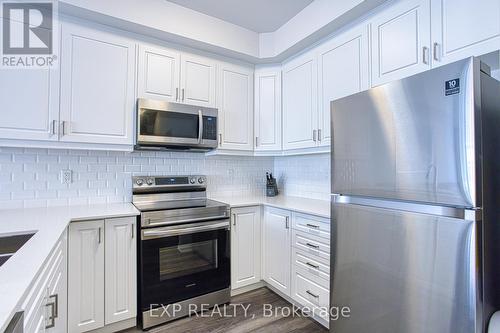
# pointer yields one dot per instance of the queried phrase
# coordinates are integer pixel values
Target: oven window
(187, 259)
(169, 124)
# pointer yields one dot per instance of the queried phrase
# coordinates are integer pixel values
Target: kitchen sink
(11, 244)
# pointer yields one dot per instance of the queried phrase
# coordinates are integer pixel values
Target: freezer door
(403, 272)
(412, 139)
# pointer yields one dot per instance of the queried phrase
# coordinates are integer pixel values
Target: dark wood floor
(254, 321)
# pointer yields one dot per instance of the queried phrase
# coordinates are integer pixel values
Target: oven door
(172, 124)
(183, 261)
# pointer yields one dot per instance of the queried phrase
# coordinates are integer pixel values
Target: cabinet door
(458, 34)
(277, 249)
(268, 109)
(245, 247)
(198, 78)
(33, 118)
(401, 41)
(235, 107)
(158, 74)
(121, 269)
(58, 293)
(342, 71)
(300, 114)
(86, 276)
(97, 86)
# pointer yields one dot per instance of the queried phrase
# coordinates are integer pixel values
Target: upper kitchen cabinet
(464, 28)
(158, 75)
(97, 86)
(268, 109)
(235, 105)
(198, 79)
(343, 64)
(400, 41)
(300, 113)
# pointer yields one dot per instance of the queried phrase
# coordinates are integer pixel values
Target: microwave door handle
(200, 126)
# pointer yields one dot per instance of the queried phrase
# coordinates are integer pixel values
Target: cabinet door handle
(63, 128)
(234, 219)
(99, 235)
(312, 245)
(256, 141)
(312, 265)
(182, 94)
(287, 224)
(220, 139)
(319, 134)
(53, 127)
(314, 135)
(425, 55)
(435, 51)
(132, 233)
(176, 94)
(53, 311)
(313, 295)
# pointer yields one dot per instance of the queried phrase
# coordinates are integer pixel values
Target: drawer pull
(53, 311)
(313, 295)
(312, 226)
(312, 265)
(312, 245)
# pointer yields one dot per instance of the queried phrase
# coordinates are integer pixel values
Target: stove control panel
(166, 182)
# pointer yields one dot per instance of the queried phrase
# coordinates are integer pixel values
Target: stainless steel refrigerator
(416, 203)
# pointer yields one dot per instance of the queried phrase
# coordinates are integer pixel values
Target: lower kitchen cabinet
(245, 252)
(100, 294)
(277, 249)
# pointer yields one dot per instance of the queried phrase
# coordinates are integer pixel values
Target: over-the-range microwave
(165, 125)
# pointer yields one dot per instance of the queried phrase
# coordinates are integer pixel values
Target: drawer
(311, 225)
(310, 294)
(316, 247)
(311, 268)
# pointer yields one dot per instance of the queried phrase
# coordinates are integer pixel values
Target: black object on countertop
(271, 185)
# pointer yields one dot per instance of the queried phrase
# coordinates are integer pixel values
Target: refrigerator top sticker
(452, 87)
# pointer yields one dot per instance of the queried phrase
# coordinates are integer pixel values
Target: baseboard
(116, 327)
(317, 318)
(248, 288)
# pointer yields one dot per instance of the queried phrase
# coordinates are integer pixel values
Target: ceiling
(256, 15)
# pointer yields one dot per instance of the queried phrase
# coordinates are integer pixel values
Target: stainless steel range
(184, 248)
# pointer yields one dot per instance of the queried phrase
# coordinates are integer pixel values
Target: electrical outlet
(66, 176)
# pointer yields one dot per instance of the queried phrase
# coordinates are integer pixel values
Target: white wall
(31, 177)
(304, 176)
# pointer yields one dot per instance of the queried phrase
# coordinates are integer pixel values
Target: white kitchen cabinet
(277, 249)
(268, 109)
(245, 246)
(86, 276)
(400, 37)
(464, 28)
(235, 107)
(198, 80)
(300, 113)
(120, 272)
(158, 73)
(97, 86)
(343, 69)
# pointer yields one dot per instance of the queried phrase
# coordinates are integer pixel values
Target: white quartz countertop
(19, 272)
(301, 205)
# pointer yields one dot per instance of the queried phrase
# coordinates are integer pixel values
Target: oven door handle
(179, 230)
(161, 221)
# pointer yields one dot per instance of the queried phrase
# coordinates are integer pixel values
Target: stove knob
(150, 181)
(201, 180)
(139, 182)
(192, 180)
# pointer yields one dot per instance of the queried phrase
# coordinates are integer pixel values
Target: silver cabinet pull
(256, 141)
(132, 232)
(435, 51)
(287, 226)
(99, 236)
(312, 245)
(220, 139)
(53, 127)
(234, 219)
(425, 55)
(312, 265)
(54, 305)
(182, 94)
(176, 94)
(312, 226)
(63, 128)
(314, 135)
(313, 295)
(319, 134)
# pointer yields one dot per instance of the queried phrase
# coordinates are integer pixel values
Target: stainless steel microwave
(174, 126)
